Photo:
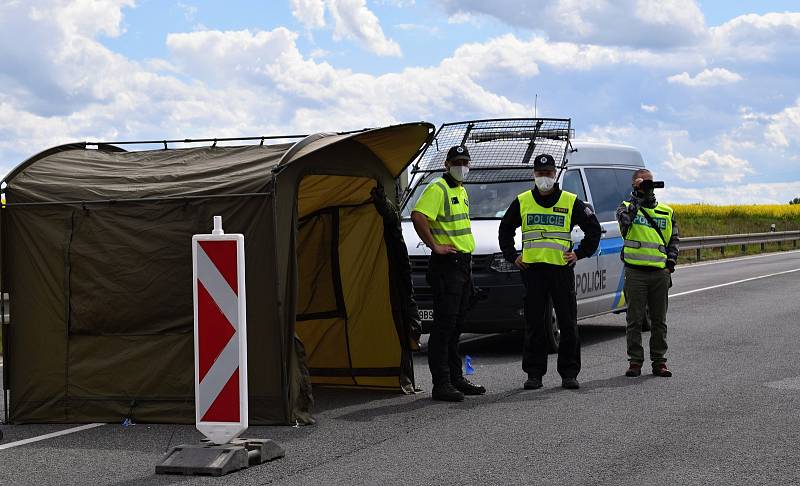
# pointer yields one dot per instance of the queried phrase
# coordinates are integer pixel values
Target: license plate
(426, 314)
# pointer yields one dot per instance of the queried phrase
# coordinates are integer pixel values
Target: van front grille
(419, 263)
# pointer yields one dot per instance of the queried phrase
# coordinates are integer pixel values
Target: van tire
(554, 334)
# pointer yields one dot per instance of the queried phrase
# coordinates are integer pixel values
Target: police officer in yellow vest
(650, 252)
(441, 219)
(547, 215)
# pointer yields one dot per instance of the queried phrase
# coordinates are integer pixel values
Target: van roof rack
(501, 148)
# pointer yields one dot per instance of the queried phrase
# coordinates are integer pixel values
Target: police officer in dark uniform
(547, 215)
(441, 219)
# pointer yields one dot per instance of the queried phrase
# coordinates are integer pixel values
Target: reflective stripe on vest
(453, 227)
(646, 244)
(461, 232)
(643, 245)
(546, 231)
(531, 235)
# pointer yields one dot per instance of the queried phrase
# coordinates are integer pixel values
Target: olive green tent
(96, 257)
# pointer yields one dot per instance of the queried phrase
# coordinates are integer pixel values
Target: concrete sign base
(209, 459)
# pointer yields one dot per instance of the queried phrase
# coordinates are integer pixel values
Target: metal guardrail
(699, 243)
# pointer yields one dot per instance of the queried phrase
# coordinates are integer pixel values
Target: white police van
(599, 173)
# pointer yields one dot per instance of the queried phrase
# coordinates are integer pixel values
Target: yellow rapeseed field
(778, 211)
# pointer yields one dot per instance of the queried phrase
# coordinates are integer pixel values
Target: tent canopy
(96, 258)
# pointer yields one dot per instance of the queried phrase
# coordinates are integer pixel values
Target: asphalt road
(728, 416)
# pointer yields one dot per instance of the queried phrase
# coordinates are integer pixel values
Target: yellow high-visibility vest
(546, 231)
(451, 225)
(643, 246)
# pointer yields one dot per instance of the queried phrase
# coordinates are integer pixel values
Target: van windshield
(487, 200)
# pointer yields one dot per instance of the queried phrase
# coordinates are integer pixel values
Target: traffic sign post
(220, 335)
(220, 363)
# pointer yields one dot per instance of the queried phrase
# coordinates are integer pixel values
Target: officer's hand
(570, 257)
(444, 249)
(520, 264)
(637, 182)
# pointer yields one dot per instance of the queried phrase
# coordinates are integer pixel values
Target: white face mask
(459, 172)
(545, 183)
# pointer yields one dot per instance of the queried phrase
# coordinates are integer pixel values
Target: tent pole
(3, 324)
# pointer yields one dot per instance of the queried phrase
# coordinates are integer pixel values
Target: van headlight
(499, 264)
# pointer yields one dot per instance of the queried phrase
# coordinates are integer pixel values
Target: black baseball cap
(458, 152)
(544, 162)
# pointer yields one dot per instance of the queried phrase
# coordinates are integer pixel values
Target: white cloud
(706, 78)
(310, 13)
(638, 23)
(784, 127)
(709, 165)
(460, 17)
(319, 53)
(353, 20)
(397, 3)
(189, 11)
(59, 83)
(430, 29)
(757, 37)
(320, 93)
(756, 193)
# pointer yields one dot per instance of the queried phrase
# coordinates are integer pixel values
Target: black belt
(459, 258)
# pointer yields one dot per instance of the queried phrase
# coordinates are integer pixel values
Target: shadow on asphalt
(510, 344)
(160, 479)
(501, 347)
(516, 395)
(330, 398)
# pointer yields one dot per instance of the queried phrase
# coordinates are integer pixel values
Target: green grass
(690, 256)
(706, 220)
(711, 225)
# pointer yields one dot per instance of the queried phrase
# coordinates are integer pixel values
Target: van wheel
(554, 336)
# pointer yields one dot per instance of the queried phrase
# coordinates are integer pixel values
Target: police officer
(547, 215)
(650, 252)
(441, 219)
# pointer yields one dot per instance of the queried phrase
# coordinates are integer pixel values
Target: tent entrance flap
(344, 315)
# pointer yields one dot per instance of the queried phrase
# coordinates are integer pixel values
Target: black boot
(570, 383)
(447, 393)
(533, 382)
(468, 388)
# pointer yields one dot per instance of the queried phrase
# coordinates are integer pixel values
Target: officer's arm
(423, 228)
(508, 230)
(586, 220)
(626, 214)
(673, 246)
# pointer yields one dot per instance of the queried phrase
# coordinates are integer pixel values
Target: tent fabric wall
(100, 298)
(114, 327)
(356, 342)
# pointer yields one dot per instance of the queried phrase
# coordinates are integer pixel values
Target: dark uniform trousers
(450, 278)
(558, 282)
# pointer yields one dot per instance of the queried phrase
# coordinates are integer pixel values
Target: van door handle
(603, 231)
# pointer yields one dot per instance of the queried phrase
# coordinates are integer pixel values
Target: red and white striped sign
(220, 333)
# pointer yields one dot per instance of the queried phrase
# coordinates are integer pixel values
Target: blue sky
(707, 90)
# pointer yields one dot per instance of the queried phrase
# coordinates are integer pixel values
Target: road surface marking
(49, 436)
(786, 384)
(734, 282)
(737, 259)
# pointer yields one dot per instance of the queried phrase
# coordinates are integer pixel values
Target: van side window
(609, 188)
(573, 182)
